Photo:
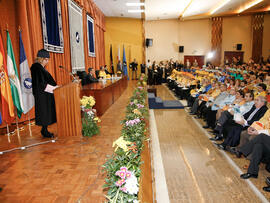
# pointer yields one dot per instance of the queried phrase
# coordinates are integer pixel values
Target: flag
(6, 97)
(13, 78)
(125, 63)
(26, 80)
(111, 60)
(118, 54)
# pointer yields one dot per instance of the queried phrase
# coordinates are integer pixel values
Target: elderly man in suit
(236, 127)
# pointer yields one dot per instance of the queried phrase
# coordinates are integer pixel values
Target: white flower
(132, 185)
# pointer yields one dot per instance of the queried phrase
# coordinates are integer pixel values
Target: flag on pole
(14, 78)
(125, 63)
(111, 60)
(26, 80)
(6, 97)
(118, 54)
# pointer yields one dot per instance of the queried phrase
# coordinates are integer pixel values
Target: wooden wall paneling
(257, 36)
(216, 40)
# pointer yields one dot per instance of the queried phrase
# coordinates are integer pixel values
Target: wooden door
(191, 58)
(230, 54)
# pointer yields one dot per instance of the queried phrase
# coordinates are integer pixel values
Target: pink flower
(120, 182)
(124, 189)
(128, 174)
(122, 174)
(140, 106)
(124, 169)
(87, 110)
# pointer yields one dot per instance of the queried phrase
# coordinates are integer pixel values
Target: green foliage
(131, 159)
(89, 126)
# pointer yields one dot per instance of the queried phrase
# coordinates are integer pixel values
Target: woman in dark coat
(43, 86)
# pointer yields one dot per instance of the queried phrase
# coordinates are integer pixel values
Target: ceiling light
(219, 6)
(136, 11)
(135, 4)
(183, 13)
(249, 5)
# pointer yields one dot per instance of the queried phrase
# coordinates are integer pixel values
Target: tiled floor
(195, 170)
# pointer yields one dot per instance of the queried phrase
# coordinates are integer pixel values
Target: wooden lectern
(68, 110)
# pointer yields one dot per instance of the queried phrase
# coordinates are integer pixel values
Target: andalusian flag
(6, 98)
(26, 80)
(14, 78)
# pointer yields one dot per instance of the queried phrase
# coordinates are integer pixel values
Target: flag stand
(18, 130)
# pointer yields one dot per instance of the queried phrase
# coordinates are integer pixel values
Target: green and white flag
(14, 78)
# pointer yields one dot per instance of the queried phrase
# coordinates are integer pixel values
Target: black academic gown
(44, 102)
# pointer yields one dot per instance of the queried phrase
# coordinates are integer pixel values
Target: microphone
(70, 73)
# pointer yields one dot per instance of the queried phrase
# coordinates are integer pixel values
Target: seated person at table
(91, 76)
(102, 73)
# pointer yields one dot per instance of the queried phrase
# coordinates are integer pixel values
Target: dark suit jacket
(91, 78)
(257, 115)
(234, 130)
(230, 124)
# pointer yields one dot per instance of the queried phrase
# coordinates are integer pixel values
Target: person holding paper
(235, 128)
(43, 86)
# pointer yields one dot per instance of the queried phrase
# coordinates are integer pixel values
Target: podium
(68, 110)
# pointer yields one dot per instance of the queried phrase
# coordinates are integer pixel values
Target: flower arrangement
(88, 102)
(142, 80)
(123, 167)
(89, 120)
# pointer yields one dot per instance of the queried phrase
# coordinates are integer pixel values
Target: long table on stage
(105, 92)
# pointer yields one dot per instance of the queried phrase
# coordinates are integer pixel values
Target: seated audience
(241, 123)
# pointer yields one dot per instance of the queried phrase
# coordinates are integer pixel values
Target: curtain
(26, 14)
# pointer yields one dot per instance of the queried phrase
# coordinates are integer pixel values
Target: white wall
(168, 35)
(237, 30)
(195, 36)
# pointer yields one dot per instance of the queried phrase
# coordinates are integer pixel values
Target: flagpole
(18, 131)
(30, 131)
(8, 133)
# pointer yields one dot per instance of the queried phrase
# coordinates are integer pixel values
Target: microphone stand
(74, 79)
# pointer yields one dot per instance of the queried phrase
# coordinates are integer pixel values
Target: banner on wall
(91, 36)
(52, 29)
(76, 37)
